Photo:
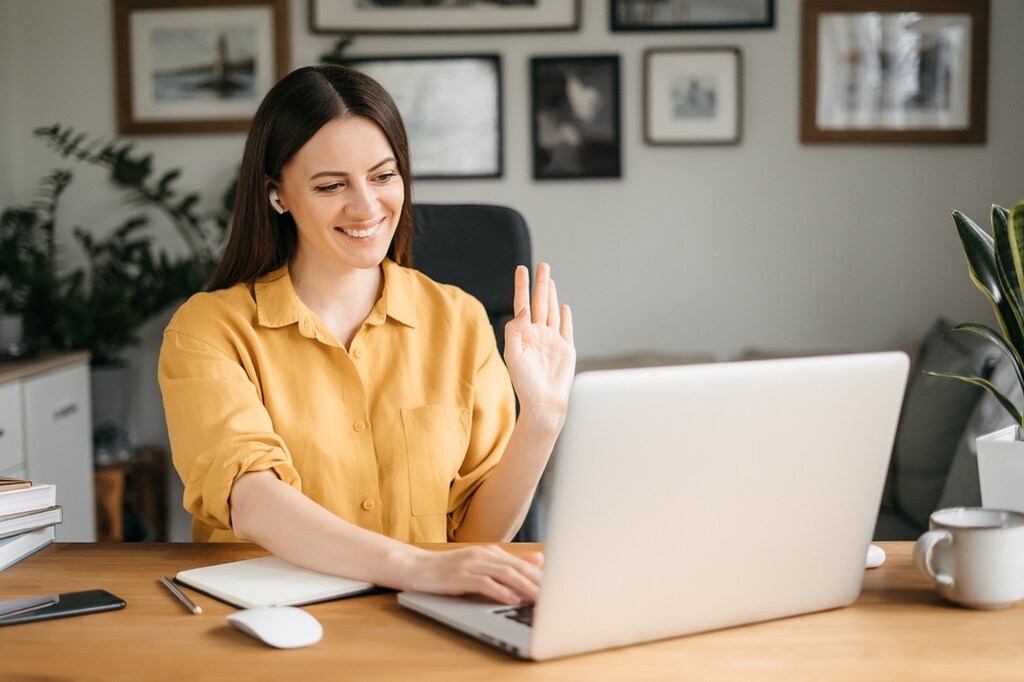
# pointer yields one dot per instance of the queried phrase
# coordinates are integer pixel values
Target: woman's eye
(387, 177)
(334, 186)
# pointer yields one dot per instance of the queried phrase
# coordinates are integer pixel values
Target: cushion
(962, 488)
(935, 413)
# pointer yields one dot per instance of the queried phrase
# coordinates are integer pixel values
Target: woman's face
(345, 193)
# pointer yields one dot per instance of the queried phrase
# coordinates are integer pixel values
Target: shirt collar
(277, 304)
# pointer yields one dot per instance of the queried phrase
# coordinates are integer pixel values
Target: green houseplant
(996, 266)
(126, 278)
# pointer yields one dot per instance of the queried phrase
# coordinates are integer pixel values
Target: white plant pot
(1001, 469)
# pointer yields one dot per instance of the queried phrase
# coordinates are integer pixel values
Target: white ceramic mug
(974, 556)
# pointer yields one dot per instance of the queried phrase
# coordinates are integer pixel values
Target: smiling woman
(345, 217)
(326, 401)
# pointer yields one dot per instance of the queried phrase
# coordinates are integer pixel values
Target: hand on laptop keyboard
(487, 570)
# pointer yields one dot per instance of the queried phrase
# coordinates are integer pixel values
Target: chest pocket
(436, 438)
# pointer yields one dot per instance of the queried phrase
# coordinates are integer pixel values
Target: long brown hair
(291, 113)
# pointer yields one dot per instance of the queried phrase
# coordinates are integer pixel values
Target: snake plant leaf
(979, 248)
(994, 337)
(1008, 270)
(988, 386)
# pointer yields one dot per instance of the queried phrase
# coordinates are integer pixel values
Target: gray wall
(712, 250)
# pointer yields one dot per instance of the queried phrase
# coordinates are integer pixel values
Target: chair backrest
(476, 247)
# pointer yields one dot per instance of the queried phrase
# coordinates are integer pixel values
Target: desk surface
(898, 629)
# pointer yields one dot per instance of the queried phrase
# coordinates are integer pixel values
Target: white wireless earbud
(274, 201)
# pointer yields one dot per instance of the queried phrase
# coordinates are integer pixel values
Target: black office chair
(476, 247)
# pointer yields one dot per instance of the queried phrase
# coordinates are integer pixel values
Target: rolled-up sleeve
(218, 425)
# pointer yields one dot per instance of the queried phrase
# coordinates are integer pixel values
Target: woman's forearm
(278, 517)
(499, 506)
(282, 520)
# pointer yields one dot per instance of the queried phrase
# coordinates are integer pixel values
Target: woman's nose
(362, 201)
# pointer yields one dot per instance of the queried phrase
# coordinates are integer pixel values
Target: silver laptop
(700, 497)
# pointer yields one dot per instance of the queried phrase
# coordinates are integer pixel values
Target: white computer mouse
(875, 558)
(285, 627)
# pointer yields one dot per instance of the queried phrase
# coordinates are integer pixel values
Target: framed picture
(690, 15)
(196, 66)
(575, 116)
(692, 95)
(432, 16)
(894, 71)
(451, 106)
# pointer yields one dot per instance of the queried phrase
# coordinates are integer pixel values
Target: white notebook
(269, 581)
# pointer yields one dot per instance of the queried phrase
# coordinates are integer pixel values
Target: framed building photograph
(692, 95)
(690, 15)
(432, 16)
(911, 71)
(196, 66)
(575, 117)
(451, 107)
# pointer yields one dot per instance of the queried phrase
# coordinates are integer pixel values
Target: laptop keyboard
(520, 614)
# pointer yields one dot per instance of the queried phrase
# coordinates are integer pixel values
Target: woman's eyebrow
(334, 173)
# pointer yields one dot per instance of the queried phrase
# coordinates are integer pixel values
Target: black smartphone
(17, 611)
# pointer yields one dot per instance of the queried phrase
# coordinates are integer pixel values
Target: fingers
(540, 293)
(521, 295)
(567, 323)
(552, 320)
(489, 571)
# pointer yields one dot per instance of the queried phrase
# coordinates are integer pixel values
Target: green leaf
(1007, 269)
(999, 341)
(979, 248)
(988, 386)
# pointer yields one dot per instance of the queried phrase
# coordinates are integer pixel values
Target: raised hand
(539, 350)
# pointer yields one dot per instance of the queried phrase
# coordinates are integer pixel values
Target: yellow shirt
(393, 435)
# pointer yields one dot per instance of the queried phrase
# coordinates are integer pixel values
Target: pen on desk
(189, 604)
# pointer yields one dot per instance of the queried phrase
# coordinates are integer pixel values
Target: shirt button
(356, 353)
(368, 504)
(359, 426)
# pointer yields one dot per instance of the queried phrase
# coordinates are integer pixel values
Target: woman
(332, 405)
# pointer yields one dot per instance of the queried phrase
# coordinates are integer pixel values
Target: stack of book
(28, 517)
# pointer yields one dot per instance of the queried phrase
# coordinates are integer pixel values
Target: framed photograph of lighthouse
(196, 66)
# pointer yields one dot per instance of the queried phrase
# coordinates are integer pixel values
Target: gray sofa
(934, 458)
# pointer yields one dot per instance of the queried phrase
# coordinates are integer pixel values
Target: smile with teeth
(364, 233)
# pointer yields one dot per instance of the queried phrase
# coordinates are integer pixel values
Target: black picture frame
(475, 16)
(575, 117)
(690, 15)
(459, 133)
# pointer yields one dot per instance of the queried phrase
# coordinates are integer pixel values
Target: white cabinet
(45, 407)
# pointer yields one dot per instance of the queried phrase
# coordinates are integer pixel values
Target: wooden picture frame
(575, 105)
(452, 109)
(417, 16)
(196, 66)
(690, 15)
(693, 95)
(857, 87)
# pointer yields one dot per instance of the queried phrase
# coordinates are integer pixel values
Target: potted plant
(996, 266)
(125, 279)
(28, 277)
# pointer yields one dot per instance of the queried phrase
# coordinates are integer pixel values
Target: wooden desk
(898, 630)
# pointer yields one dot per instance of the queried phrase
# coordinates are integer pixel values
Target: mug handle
(923, 550)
